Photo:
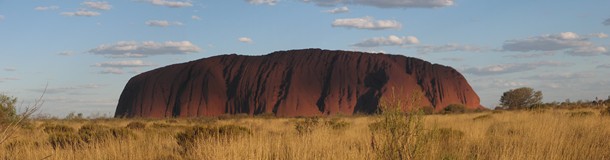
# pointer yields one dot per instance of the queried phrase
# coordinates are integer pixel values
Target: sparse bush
(64, 140)
(482, 117)
(337, 124)
(306, 126)
(399, 134)
(191, 136)
(605, 112)
(581, 114)
(19, 144)
(501, 129)
(454, 108)
(168, 157)
(160, 125)
(446, 134)
(91, 133)
(58, 128)
(136, 125)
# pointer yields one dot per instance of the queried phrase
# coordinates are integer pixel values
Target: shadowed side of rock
(290, 83)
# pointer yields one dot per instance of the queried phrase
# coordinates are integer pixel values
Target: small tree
(521, 98)
(7, 108)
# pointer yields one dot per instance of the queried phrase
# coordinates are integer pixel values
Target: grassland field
(556, 134)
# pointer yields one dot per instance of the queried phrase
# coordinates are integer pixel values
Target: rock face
(291, 83)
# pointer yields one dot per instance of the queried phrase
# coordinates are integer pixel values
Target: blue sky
(86, 51)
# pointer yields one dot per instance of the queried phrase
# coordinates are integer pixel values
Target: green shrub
(8, 113)
(454, 108)
(306, 126)
(58, 128)
(65, 140)
(136, 125)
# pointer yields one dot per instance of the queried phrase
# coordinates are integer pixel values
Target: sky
(84, 52)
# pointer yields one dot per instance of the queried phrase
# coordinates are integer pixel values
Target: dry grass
(548, 134)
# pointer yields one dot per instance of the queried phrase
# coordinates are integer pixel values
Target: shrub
(136, 125)
(455, 108)
(160, 125)
(337, 124)
(306, 126)
(581, 114)
(64, 140)
(92, 133)
(58, 128)
(447, 134)
(7, 108)
(606, 111)
(191, 136)
(521, 98)
(482, 117)
(398, 134)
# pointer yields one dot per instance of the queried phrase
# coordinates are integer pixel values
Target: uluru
(306, 82)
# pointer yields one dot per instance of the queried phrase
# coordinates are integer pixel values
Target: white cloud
(98, 5)
(387, 3)
(162, 23)
(425, 49)
(562, 76)
(69, 90)
(606, 22)
(598, 35)
(501, 83)
(532, 55)
(343, 9)
(266, 2)
(603, 66)
(245, 39)
(391, 40)
(112, 71)
(367, 23)
(1, 17)
(454, 59)
(551, 42)
(46, 8)
(143, 49)
(116, 67)
(5, 79)
(66, 53)
(170, 3)
(512, 67)
(123, 64)
(588, 51)
(10, 69)
(195, 17)
(82, 12)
